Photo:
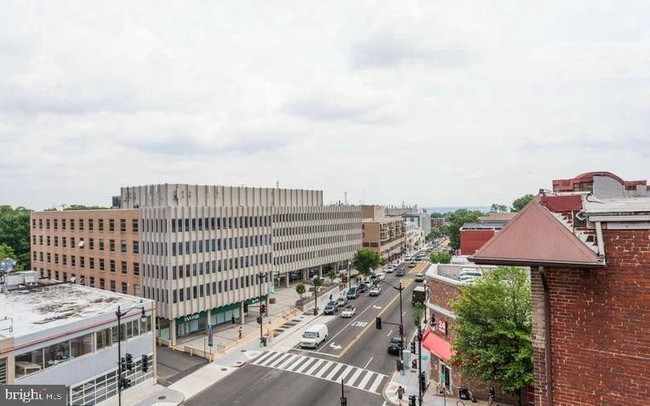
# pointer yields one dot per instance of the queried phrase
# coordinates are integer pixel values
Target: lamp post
(260, 277)
(401, 321)
(420, 383)
(349, 275)
(344, 400)
(317, 282)
(119, 313)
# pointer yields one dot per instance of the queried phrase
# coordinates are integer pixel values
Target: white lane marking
(366, 379)
(313, 368)
(390, 333)
(370, 360)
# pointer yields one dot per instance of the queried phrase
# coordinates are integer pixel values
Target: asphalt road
(355, 351)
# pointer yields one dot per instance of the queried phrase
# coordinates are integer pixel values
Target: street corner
(390, 392)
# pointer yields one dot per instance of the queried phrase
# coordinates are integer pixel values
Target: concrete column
(209, 318)
(241, 312)
(305, 274)
(286, 279)
(172, 332)
(320, 271)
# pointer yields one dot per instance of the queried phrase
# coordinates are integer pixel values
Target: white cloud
(418, 102)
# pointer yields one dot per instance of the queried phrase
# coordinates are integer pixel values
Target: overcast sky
(423, 102)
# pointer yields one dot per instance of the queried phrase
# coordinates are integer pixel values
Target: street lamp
(349, 275)
(119, 313)
(401, 321)
(260, 276)
(317, 282)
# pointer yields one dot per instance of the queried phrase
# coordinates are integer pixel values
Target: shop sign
(442, 326)
(191, 317)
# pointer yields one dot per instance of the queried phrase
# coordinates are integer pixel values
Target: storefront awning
(436, 345)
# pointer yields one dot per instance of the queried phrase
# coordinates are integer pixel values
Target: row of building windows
(218, 244)
(287, 217)
(287, 259)
(46, 357)
(92, 261)
(78, 224)
(90, 281)
(311, 242)
(194, 292)
(313, 229)
(210, 223)
(81, 244)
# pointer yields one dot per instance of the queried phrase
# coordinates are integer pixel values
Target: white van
(313, 336)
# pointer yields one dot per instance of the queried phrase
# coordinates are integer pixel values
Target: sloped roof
(536, 237)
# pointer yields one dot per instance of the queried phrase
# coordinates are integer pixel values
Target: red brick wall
(600, 327)
(472, 240)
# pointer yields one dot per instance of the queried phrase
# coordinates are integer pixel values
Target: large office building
(383, 234)
(203, 253)
(61, 333)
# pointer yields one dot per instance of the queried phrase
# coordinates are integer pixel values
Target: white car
(375, 291)
(390, 269)
(380, 275)
(348, 311)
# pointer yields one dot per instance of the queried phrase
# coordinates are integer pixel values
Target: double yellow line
(405, 284)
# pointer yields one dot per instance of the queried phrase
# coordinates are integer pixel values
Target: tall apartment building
(382, 234)
(203, 253)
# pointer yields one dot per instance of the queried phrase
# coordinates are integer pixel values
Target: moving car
(331, 307)
(352, 293)
(380, 276)
(362, 288)
(375, 291)
(313, 336)
(399, 272)
(342, 300)
(348, 311)
(395, 345)
(390, 269)
(419, 277)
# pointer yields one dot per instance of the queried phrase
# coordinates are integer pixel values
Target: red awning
(436, 345)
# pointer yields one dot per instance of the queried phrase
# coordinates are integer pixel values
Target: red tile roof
(536, 237)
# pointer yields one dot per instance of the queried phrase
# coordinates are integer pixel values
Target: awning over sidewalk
(436, 345)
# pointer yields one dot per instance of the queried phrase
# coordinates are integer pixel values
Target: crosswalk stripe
(313, 368)
(376, 383)
(332, 371)
(322, 371)
(365, 380)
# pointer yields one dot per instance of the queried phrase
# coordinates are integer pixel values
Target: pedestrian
(233, 319)
(491, 396)
(240, 331)
(400, 393)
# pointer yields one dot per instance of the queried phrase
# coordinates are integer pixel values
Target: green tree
(6, 252)
(435, 232)
(300, 289)
(492, 333)
(521, 202)
(332, 274)
(14, 233)
(417, 313)
(456, 220)
(498, 208)
(440, 258)
(365, 260)
(437, 215)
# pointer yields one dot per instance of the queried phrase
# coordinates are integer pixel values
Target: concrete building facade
(383, 234)
(203, 253)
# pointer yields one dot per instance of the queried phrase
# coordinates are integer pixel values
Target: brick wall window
(136, 268)
(123, 266)
(111, 225)
(112, 286)
(101, 264)
(112, 265)
(135, 225)
(123, 246)
(81, 224)
(100, 224)
(123, 225)
(136, 247)
(101, 244)
(125, 289)
(111, 245)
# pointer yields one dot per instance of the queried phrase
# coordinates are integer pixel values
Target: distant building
(437, 222)
(66, 334)
(412, 214)
(382, 234)
(474, 235)
(587, 244)
(203, 253)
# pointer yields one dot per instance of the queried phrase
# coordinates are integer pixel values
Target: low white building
(66, 334)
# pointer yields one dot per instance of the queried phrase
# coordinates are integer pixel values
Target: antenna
(277, 184)
(346, 197)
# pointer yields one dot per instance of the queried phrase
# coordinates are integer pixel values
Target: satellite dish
(8, 265)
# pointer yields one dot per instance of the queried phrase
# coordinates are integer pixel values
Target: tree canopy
(456, 220)
(365, 260)
(14, 233)
(435, 232)
(493, 327)
(521, 202)
(301, 289)
(440, 257)
(498, 208)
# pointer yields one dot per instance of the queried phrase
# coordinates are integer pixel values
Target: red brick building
(474, 235)
(588, 246)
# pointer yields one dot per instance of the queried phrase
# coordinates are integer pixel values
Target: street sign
(210, 335)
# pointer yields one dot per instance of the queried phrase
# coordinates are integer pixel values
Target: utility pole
(344, 400)
(260, 320)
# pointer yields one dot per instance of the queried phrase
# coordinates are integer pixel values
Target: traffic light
(401, 329)
(125, 383)
(423, 381)
(259, 319)
(344, 401)
(411, 400)
(145, 362)
(123, 363)
(419, 333)
(129, 362)
(412, 347)
(262, 308)
(378, 323)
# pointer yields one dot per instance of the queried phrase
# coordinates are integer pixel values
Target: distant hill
(445, 209)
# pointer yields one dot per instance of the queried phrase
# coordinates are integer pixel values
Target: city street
(355, 351)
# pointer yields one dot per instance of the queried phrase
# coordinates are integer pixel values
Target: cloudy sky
(423, 102)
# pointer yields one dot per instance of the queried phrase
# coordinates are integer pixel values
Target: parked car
(342, 300)
(331, 307)
(412, 264)
(390, 269)
(380, 276)
(399, 272)
(469, 274)
(348, 311)
(395, 345)
(352, 293)
(313, 336)
(419, 277)
(375, 291)
(362, 288)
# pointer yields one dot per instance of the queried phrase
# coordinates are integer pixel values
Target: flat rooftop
(54, 306)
